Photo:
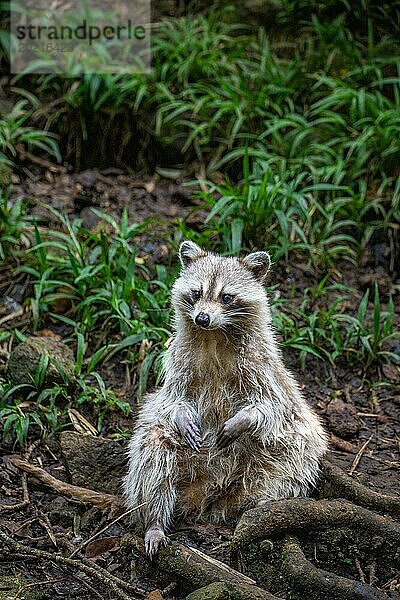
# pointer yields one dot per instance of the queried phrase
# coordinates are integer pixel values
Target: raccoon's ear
(258, 263)
(189, 251)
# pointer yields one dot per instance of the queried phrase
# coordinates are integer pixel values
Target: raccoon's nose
(202, 319)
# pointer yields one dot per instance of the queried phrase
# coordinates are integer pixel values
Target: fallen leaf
(100, 546)
(81, 424)
(154, 595)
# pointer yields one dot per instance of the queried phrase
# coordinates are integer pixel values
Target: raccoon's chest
(215, 401)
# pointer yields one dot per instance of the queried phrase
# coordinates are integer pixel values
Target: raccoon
(229, 429)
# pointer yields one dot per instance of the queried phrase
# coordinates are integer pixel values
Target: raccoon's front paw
(233, 428)
(154, 538)
(188, 429)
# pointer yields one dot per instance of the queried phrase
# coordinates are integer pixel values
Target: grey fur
(229, 428)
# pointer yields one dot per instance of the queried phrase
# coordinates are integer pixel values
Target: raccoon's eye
(196, 295)
(226, 298)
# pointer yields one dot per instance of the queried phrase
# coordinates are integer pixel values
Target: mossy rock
(214, 591)
(9, 587)
(220, 590)
(24, 361)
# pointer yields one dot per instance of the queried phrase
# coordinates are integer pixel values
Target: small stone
(24, 361)
(342, 418)
(86, 178)
(61, 512)
(93, 462)
(8, 306)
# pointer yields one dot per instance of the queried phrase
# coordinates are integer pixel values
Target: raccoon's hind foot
(154, 538)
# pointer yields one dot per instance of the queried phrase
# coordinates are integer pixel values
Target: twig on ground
(45, 523)
(40, 161)
(361, 573)
(372, 573)
(24, 483)
(12, 316)
(86, 542)
(358, 456)
(343, 445)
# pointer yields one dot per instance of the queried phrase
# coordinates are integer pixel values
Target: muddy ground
(356, 414)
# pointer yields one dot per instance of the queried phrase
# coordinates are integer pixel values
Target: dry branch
(342, 445)
(103, 501)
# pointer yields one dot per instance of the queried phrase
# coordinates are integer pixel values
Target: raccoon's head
(216, 292)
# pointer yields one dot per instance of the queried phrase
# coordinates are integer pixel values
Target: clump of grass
(16, 135)
(109, 302)
(323, 327)
(278, 210)
(325, 103)
(44, 408)
(96, 285)
(14, 223)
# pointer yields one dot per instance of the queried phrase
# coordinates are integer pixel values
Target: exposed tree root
(276, 519)
(201, 570)
(110, 581)
(344, 486)
(315, 583)
(103, 501)
(305, 514)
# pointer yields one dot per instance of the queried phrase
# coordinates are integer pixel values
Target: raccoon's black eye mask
(226, 298)
(196, 295)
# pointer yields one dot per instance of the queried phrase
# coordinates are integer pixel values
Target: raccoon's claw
(225, 438)
(232, 429)
(189, 430)
(154, 539)
(192, 437)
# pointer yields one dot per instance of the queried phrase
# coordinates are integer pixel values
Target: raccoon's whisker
(243, 313)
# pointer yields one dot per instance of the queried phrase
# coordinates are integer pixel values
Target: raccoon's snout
(202, 319)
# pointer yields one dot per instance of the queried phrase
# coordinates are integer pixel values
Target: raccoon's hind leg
(151, 481)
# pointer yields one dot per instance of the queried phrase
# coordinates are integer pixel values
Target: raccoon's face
(215, 292)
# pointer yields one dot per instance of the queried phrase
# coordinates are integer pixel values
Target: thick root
(344, 486)
(304, 514)
(308, 581)
(195, 567)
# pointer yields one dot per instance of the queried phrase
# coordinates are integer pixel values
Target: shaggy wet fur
(229, 428)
